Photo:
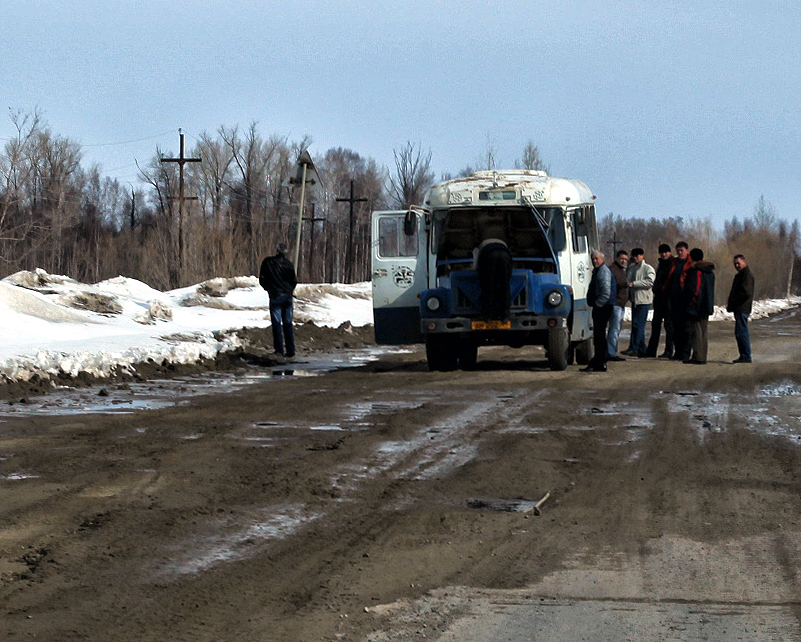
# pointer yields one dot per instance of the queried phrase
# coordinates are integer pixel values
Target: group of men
(681, 292)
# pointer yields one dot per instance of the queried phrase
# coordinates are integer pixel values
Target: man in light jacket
(641, 282)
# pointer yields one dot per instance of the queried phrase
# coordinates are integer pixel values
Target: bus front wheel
(558, 348)
(441, 353)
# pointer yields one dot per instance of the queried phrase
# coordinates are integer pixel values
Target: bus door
(398, 276)
(580, 221)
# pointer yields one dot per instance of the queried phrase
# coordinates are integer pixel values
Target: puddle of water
(156, 394)
(712, 413)
(355, 417)
(359, 410)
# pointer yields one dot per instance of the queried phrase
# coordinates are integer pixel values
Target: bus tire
(441, 353)
(584, 352)
(558, 348)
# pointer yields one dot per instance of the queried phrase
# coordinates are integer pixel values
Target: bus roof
(508, 187)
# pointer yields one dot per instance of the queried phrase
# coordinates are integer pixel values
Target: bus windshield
(523, 229)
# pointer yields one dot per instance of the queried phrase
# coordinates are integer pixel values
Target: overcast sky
(686, 108)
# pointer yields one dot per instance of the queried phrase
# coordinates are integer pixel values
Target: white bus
(496, 258)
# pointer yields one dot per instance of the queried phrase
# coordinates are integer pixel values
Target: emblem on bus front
(582, 271)
(404, 276)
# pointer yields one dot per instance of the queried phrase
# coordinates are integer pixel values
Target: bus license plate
(492, 325)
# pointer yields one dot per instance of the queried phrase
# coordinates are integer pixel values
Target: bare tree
(16, 172)
(214, 174)
(347, 240)
(764, 214)
(412, 175)
(532, 159)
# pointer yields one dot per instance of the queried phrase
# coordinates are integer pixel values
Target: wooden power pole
(349, 249)
(181, 160)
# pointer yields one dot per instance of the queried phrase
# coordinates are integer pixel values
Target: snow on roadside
(55, 325)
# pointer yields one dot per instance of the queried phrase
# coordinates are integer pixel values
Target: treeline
(769, 244)
(243, 198)
(240, 201)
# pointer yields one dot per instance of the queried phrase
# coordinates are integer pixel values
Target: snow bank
(55, 325)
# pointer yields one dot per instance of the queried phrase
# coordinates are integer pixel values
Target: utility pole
(311, 245)
(349, 251)
(181, 160)
(614, 243)
(305, 165)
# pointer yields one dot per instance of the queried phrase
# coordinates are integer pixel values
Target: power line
(126, 142)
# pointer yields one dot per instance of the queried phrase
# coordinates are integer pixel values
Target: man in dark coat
(619, 310)
(277, 276)
(699, 292)
(741, 299)
(662, 306)
(678, 305)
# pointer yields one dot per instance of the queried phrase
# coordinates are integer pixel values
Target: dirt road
(388, 503)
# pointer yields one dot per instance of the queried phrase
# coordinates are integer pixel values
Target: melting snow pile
(52, 324)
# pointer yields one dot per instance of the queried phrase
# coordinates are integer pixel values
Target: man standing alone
(741, 299)
(277, 276)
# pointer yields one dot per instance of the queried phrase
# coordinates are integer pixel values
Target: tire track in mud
(432, 451)
(442, 445)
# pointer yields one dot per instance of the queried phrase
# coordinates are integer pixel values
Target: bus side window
(579, 227)
(392, 242)
(388, 235)
(592, 227)
(408, 243)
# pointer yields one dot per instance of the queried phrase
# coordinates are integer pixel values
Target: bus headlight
(554, 298)
(433, 303)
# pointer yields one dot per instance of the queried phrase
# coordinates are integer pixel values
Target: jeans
(283, 332)
(639, 317)
(741, 335)
(613, 333)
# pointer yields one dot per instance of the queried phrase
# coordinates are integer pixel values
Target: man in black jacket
(741, 299)
(662, 313)
(277, 276)
(699, 292)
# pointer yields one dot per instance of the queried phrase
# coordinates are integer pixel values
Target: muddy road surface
(383, 502)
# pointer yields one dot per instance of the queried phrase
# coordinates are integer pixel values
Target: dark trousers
(281, 318)
(661, 316)
(681, 330)
(600, 321)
